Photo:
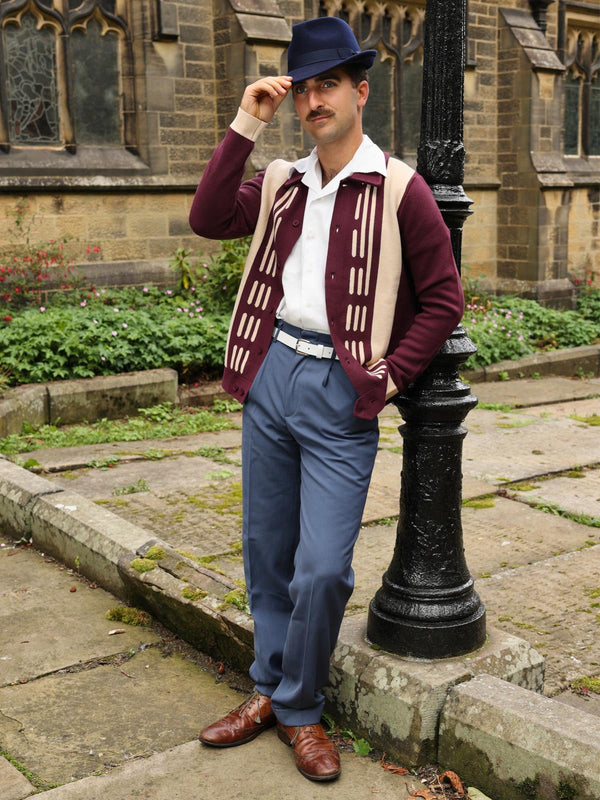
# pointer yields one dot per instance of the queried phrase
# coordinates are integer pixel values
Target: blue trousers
(306, 462)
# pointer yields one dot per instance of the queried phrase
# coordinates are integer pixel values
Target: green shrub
(510, 327)
(94, 338)
(216, 281)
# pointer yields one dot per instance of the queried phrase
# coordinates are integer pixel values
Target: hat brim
(365, 58)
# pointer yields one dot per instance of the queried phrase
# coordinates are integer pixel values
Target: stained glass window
(595, 117)
(572, 92)
(31, 75)
(97, 105)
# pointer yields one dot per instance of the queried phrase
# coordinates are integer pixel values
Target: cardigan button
(295, 223)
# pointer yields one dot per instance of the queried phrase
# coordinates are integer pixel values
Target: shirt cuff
(247, 126)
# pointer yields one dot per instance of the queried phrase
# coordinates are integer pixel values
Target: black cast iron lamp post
(427, 606)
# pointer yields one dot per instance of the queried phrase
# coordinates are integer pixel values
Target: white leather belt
(302, 346)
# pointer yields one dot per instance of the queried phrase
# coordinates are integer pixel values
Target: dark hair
(356, 72)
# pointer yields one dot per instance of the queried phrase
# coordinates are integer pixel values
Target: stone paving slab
(572, 408)
(14, 784)
(530, 392)
(578, 492)
(550, 604)
(28, 645)
(515, 446)
(262, 769)
(193, 474)
(69, 725)
(66, 458)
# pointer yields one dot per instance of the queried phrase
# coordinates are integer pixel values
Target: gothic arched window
(582, 93)
(63, 74)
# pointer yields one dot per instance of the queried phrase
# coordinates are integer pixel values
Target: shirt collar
(368, 158)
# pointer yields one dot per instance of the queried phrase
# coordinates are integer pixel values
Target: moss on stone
(591, 684)
(485, 501)
(142, 564)
(130, 616)
(155, 553)
(237, 598)
(191, 593)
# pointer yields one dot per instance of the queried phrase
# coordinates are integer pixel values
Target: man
(349, 290)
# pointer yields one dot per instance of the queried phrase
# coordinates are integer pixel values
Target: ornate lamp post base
(427, 606)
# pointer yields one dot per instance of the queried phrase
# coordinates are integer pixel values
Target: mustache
(319, 112)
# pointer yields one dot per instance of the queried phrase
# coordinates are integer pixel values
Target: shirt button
(295, 223)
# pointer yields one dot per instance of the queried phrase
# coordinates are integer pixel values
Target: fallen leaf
(116, 630)
(426, 794)
(221, 667)
(393, 768)
(73, 589)
(452, 778)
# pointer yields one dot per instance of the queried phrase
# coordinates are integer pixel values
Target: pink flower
(114, 333)
(145, 289)
(168, 291)
(124, 324)
(83, 304)
(102, 358)
(42, 309)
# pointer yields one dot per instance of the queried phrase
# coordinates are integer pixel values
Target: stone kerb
(568, 362)
(85, 399)
(517, 745)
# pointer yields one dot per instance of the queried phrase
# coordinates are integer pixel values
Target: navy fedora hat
(321, 44)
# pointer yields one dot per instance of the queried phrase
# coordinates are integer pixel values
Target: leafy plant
(184, 269)
(139, 486)
(95, 338)
(219, 278)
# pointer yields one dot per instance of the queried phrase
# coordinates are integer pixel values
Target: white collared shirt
(303, 278)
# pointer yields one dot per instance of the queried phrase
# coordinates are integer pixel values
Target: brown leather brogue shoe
(242, 724)
(316, 755)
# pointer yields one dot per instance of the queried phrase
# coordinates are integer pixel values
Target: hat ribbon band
(314, 56)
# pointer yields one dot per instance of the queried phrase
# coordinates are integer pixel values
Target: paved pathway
(532, 486)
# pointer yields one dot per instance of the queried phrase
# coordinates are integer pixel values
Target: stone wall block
(23, 404)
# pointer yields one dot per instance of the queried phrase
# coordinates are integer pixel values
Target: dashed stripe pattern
(260, 291)
(359, 279)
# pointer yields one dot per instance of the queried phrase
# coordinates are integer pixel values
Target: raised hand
(263, 98)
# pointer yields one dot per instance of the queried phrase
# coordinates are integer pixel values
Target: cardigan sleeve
(433, 284)
(224, 207)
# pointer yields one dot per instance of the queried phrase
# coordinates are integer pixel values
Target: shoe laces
(245, 706)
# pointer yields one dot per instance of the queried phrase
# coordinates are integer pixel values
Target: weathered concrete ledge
(88, 399)
(396, 702)
(516, 745)
(569, 362)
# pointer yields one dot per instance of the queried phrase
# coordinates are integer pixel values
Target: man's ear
(362, 93)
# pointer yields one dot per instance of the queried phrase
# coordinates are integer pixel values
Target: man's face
(329, 106)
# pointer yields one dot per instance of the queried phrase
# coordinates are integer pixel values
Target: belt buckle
(302, 343)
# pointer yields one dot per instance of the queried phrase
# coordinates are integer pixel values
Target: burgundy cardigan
(393, 293)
